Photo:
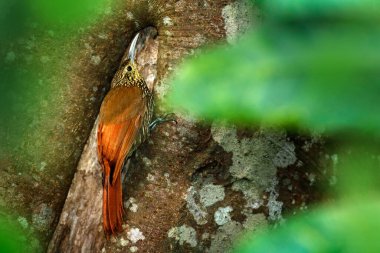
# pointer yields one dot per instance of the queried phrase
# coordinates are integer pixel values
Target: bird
(124, 123)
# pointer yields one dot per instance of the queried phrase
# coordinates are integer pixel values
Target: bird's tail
(112, 203)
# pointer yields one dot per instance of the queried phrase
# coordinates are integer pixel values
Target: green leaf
(33, 33)
(12, 239)
(345, 10)
(353, 227)
(323, 78)
(67, 12)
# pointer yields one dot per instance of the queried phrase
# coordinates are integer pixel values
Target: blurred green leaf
(33, 35)
(304, 10)
(344, 227)
(12, 239)
(37, 39)
(318, 79)
(67, 12)
(13, 17)
(358, 170)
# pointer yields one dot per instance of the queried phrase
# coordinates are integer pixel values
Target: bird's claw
(166, 118)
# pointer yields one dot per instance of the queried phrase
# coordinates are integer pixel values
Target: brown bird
(124, 123)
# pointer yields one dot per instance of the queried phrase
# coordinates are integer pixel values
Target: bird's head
(128, 72)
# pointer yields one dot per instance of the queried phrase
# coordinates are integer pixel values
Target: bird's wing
(121, 104)
(120, 119)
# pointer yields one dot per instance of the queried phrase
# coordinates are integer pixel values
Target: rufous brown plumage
(124, 119)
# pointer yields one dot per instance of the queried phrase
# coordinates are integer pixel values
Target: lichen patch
(184, 234)
(210, 194)
(222, 215)
(286, 155)
(238, 17)
(198, 212)
(135, 235)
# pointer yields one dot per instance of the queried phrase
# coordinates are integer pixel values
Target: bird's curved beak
(132, 48)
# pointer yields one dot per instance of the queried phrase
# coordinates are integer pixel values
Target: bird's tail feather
(112, 203)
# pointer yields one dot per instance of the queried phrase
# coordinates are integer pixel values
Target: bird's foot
(170, 117)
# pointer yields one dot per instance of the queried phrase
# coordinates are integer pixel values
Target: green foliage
(358, 170)
(67, 12)
(319, 79)
(18, 17)
(347, 227)
(311, 65)
(13, 16)
(346, 10)
(33, 36)
(12, 239)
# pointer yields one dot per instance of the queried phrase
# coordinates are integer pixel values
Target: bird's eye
(129, 68)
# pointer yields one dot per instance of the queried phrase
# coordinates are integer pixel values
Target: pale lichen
(222, 240)
(255, 162)
(23, 222)
(123, 242)
(255, 222)
(167, 21)
(147, 162)
(134, 235)
(150, 177)
(198, 212)
(228, 233)
(43, 166)
(130, 15)
(222, 215)
(286, 155)
(210, 194)
(133, 249)
(184, 234)
(250, 192)
(252, 157)
(95, 60)
(238, 17)
(42, 217)
(131, 204)
(205, 236)
(274, 205)
(162, 88)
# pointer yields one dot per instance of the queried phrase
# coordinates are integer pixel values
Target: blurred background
(37, 42)
(310, 67)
